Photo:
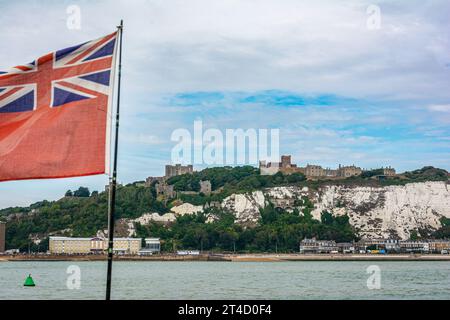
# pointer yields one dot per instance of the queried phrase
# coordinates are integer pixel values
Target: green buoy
(29, 282)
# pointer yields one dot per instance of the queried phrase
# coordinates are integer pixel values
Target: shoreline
(257, 257)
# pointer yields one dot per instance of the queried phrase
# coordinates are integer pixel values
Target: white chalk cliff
(385, 212)
(389, 211)
(245, 206)
(186, 208)
(146, 218)
(375, 211)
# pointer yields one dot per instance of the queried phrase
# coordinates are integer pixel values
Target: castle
(166, 190)
(285, 166)
(313, 171)
(178, 169)
(171, 171)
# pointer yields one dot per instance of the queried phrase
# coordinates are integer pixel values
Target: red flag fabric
(55, 113)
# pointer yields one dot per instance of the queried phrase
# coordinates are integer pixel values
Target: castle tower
(286, 161)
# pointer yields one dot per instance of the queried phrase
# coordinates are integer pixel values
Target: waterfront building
(377, 243)
(407, 246)
(96, 245)
(392, 245)
(318, 246)
(414, 246)
(2, 237)
(152, 245)
(309, 246)
(127, 245)
(382, 245)
(346, 247)
(439, 246)
(66, 245)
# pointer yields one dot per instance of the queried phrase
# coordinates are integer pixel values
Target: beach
(254, 257)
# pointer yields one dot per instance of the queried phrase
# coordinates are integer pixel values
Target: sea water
(227, 280)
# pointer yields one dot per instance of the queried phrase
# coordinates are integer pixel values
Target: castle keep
(178, 169)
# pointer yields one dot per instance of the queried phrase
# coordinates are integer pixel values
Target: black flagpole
(113, 181)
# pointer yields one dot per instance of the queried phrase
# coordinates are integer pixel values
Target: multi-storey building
(152, 245)
(374, 243)
(67, 245)
(438, 246)
(318, 246)
(346, 247)
(127, 245)
(392, 245)
(414, 246)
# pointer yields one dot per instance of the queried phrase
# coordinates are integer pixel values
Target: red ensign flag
(55, 113)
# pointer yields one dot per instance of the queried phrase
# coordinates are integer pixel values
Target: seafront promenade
(236, 257)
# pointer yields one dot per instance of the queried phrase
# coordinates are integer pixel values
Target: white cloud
(320, 46)
(141, 139)
(440, 108)
(323, 46)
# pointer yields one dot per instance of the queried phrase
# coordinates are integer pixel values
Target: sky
(343, 84)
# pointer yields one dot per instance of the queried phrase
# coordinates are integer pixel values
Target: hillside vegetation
(81, 213)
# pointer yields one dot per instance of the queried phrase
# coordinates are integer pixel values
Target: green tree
(413, 236)
(82, 192)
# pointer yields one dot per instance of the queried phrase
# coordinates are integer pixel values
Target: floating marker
(29, 282)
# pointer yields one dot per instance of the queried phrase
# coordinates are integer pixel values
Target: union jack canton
(55, 113)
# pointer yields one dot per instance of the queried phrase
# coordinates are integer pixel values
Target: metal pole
(113, 181)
